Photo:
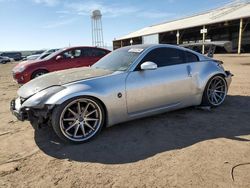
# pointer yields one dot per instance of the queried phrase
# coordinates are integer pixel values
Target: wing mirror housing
(149, 65)
(58, 57)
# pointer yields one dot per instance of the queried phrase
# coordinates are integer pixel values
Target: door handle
(189, 71)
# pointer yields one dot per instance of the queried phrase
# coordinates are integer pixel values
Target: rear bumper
(228, 77)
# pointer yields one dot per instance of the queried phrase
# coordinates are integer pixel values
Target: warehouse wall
(224, 31)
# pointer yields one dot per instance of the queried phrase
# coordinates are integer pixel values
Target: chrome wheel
(81, 119)
(217, 91)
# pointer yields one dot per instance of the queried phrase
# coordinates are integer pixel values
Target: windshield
(118, 60)
(53, 54)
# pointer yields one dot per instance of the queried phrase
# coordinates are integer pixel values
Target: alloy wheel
(80, 120)
(217, 91)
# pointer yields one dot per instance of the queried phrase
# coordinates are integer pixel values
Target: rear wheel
(38, 73)
(78, 120)
(215, 91)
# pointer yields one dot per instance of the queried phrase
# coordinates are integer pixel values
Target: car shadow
(144, 138)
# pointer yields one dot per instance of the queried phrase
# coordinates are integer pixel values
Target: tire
(74, 127)
(38, 73)
(215, 91)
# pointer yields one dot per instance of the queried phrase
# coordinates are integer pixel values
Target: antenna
(97, 33)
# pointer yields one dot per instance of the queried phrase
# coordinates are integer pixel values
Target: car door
(91, 56)
(98, 54)
(67, 59)
(85, 58)
(168, 86)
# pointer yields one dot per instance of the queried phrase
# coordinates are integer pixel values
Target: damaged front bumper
(37, 116)
(15, 108)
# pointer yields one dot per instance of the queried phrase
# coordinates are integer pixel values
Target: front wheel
(38, 73)
(215, 91)
(78, 120)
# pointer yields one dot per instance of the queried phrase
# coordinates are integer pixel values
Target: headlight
(19, 69)
(40, 97)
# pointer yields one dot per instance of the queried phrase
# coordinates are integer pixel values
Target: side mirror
(58, 57)
(148, 65)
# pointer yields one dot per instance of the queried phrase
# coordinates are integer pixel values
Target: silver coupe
(129, 83)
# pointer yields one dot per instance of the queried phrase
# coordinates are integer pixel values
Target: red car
(63, 59)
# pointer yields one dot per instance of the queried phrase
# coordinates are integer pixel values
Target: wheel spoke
(72, 112)
(79, 107)
(70, 127)
(89, 126)
(217, 91)
(83, 130)
(76, 129)
(90, 113)
(91, 119)
(212, 97)
(213, 85)
(69, 119)
(217, 83)
(219, 87)
(218, 95)
(86, 108)
(215, 98)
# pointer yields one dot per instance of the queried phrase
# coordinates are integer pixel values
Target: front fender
(71, 92)
(115, 106)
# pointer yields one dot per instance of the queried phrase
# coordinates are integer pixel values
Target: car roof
(146, 47)
(74, 47)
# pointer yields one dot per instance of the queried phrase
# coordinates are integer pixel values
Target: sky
(44, 24)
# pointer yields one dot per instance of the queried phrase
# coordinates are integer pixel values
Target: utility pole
(178, 37)
(203, 32)
(240, 35)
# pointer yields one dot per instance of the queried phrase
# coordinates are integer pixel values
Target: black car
(17, 56)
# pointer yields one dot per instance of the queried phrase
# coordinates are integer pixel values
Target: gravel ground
(185, 148)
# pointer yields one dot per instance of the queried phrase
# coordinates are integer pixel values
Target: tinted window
(165, 56)
(190, 57)
(72, 54)
(92, 52)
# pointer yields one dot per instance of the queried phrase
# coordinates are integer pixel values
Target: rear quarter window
(190, 57)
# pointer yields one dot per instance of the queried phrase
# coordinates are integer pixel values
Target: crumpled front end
(34, 108)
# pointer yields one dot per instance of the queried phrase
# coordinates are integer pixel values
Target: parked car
(60, 60)
(17, 56)
(129, 83)
(4, 59)
(32, 57)
(40, 56)
(47, 53)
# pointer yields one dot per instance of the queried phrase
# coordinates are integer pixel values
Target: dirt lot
(185, 148)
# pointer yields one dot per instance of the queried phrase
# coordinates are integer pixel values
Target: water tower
(97, 33)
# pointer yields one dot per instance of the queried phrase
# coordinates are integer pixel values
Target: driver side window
(71, 54)
(165, 57)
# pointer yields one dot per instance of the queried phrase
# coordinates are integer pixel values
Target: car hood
(59, 78)
(25, 64)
